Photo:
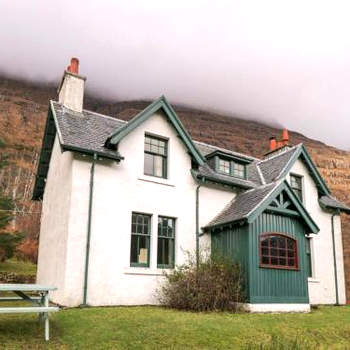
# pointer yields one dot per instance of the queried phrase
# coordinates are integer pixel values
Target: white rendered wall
(55, 223)
(322, 283)
(119, 190)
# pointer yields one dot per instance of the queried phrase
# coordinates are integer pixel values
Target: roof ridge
(92, 112)
(275, 185)
(225, 149)
(261, 175)
(281, 153)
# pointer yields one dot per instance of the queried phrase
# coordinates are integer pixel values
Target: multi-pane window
(231, 168)
(140, 240)
(278, 251)
(297, 185)
(224, 166)
(166, 242)
(238, 170)
(155, 156)
(308, 256)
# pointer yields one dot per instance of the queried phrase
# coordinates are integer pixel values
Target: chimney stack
(71, 89)
(279, 144)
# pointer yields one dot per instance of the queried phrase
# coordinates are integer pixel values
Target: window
(238, 170)
(278, 251)
(297, 185)
(166, 242)
(140, 240)
(224, 166)
(231, 168)
(308, 256)
(155, 156)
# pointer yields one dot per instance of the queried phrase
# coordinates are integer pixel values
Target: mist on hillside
(281, 63)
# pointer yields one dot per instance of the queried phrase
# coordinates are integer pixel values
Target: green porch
(271, 245)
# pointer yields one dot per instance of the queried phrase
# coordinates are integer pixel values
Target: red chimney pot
(74, 65)
(285, 137)
(273, 143)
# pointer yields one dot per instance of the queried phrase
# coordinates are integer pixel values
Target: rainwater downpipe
(197, 223)
(87, 254)
(335, 260)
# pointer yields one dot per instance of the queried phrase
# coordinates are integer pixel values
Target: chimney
(71, 89)
(273, 143)
(279, 145)
(285, 137)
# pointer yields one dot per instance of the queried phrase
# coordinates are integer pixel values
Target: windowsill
(144, 271)
(156, 180)
(313, 280)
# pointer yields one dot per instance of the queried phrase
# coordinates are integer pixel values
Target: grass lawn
(17, 266)
(158, 328)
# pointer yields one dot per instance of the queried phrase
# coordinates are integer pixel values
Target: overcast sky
(285, 62)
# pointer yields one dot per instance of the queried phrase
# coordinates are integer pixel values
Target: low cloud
(281, 62)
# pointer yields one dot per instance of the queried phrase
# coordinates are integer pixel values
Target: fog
(280, 62)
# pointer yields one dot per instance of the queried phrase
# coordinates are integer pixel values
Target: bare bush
(215, 285)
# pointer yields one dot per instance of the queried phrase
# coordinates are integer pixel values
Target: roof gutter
(223, 182)
(116, 157)
(88, 238)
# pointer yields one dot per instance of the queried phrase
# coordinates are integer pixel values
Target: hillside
(23, 109)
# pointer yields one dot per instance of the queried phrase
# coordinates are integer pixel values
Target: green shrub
(215, 285)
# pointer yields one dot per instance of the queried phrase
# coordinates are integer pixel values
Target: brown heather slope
(23, 109)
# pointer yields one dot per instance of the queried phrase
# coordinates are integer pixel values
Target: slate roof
(206, 149)
(332, 203)
(86, 131)
(244, 203)
(272, 167)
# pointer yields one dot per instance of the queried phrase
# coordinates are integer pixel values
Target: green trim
(240, 159)
(302, 152)
(45, 156)
(224, 182)
(90, 152)
(160, 103)
(87, 255)
(284, 186)
(283, 211)
(232, 164)
(148, 240)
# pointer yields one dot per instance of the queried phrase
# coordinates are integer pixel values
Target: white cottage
(124, 201)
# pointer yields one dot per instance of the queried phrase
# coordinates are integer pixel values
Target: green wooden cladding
(266, 285)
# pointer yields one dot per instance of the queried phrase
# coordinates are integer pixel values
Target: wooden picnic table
(40, 301)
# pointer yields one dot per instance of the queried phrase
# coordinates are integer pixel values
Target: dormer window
(238, 170)
(156, 153)
(231, 168)
(224, 166)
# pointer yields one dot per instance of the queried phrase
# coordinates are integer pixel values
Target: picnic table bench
(40, 302)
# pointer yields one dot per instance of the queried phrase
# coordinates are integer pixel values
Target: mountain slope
(23, 109)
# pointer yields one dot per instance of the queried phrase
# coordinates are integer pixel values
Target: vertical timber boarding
(268, 285)
(233, 243)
